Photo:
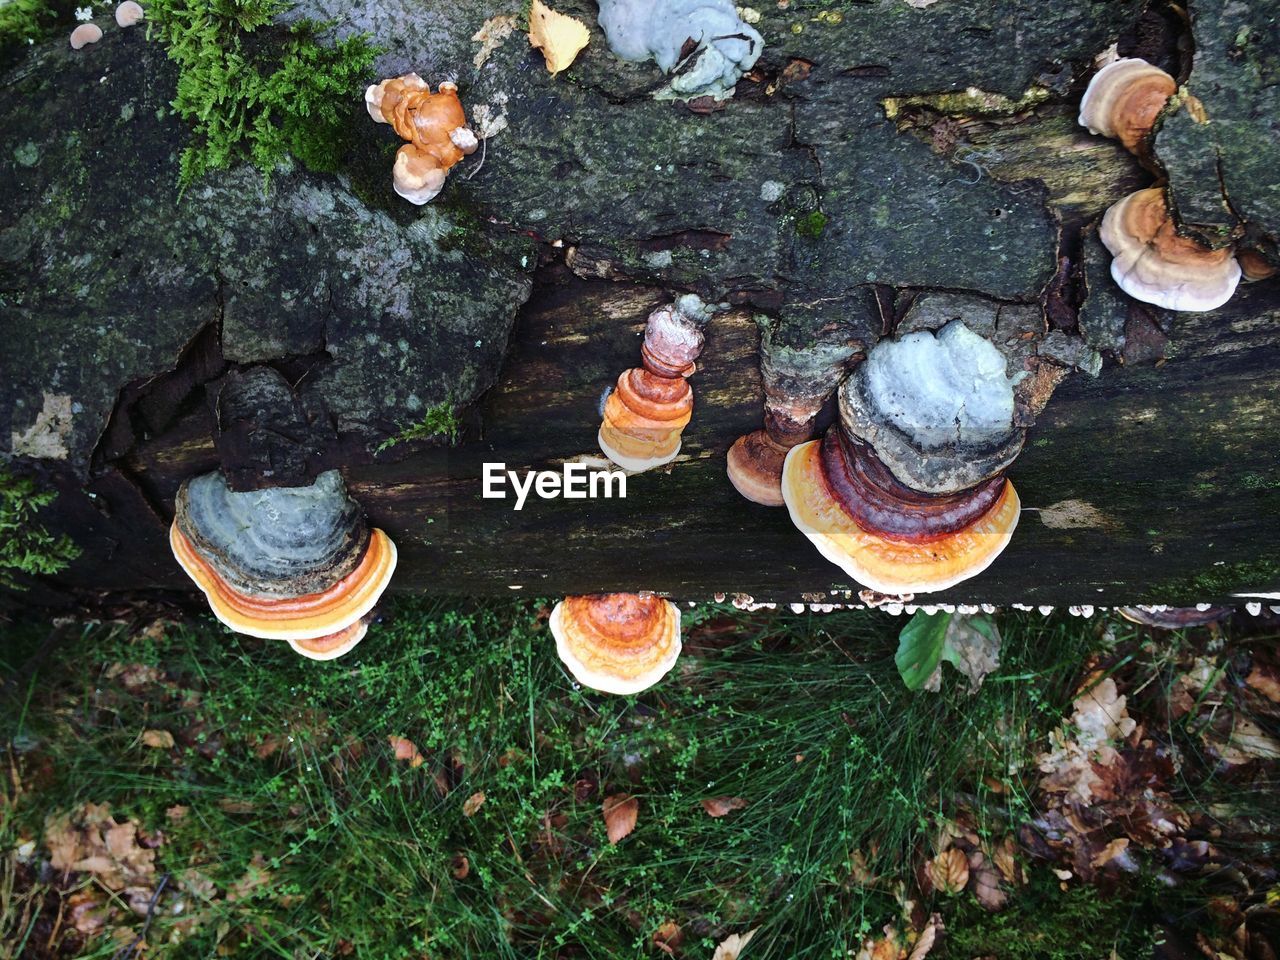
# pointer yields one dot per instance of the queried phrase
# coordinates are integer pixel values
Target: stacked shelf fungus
(651, 405)
(797, 382)
(907, 493)
(618, 642)
(434, 125)
(284, 563)
(703, 45)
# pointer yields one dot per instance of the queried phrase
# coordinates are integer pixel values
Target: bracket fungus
(724, 47)
(129, 13)
(651, 405)
(84, 35)
(797, 383)
(907, 493)
(1124, 99)
(434, 125)
(283, 563)
(618, 643)
(1156, 265)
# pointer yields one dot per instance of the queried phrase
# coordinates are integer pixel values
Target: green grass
(803, 716)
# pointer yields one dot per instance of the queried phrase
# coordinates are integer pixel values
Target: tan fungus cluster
(434, 126)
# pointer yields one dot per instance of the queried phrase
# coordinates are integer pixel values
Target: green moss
(255, 91)
(24, 21)
(25, 545)
(811, 224)
(440, 420)
(1218, 581)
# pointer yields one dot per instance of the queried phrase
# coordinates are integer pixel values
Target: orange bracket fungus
(649, 408)
(797, 383)
(907, 493)
(617, 642)
(1156, 265)
(283, 563)
(434, 125)
(1124, 99)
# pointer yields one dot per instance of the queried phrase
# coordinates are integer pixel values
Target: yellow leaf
(157, 739)
(559, 37)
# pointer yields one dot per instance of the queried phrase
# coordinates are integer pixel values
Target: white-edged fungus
(84, 35)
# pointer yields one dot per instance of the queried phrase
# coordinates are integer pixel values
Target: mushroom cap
(937, 409)
(334, 645)
(84, 35)
(278, 542)
(1254, 266)
(643, 419)
(310, 617)
(417, 175)
(754, 465)
(879, 562)
(618, 643)
(1152, 263)
(1124, 99)
(129, 13)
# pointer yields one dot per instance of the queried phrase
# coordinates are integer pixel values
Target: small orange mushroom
(618, 643)
(1152, 263)
(754, 465)
(435, 126)
(1124, 99)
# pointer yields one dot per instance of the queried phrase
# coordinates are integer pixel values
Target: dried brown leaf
(722, 806)
(404, 749)
(949, 871)
(157, 739)
(1265, 681)
(984, 881)
(731, 947)
(472, 804)
(668, 937)
(620, 813)
(460, 866)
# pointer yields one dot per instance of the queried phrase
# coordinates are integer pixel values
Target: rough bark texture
(873, 158)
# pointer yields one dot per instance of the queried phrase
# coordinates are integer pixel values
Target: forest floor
(447, 791)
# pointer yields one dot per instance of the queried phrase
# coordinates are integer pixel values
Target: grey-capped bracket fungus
(798, 380)
(907, 493)
(1153, 263)
(649, 407)
(298, 564)
(618, 643)
(703, 45)
(434, 126)
(1123, 101)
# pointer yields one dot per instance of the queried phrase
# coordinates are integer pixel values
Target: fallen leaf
(559, 37)
(1005, 858)
(668, 937)
(1250, 742)
(256, 875)
(491, 35)
(460, 866)
(472, 804)
(984, 881)
(1265, 681)
(228, 805)
(88, 914)
(731, 947)
(176, 812)
(620, 813)
(928, 937)
(722, 806)
(406, 750)
(157, 739)
(949, 871)
(1108, 853)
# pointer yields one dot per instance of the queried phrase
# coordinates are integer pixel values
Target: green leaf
(920, 648)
